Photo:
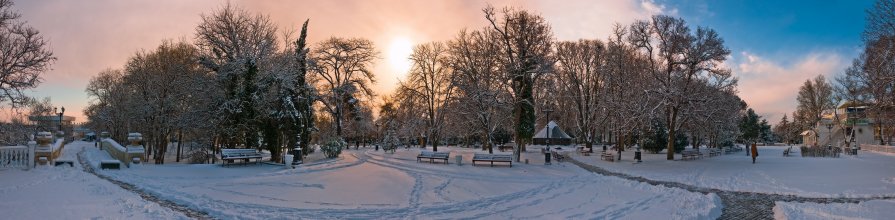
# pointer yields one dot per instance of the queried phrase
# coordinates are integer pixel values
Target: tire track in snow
(146, 196)
(736, 204)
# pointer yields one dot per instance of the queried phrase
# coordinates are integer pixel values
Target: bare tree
(814, 98)
(678, 59)
(343, 70)
(526, 42)
(430, 81)
(234, 43)
(482, 93)
(25, 55)
(163, 84)
(580, 70)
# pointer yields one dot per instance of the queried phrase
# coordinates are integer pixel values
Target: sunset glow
(399, 55)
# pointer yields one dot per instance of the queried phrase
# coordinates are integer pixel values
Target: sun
(399, 55)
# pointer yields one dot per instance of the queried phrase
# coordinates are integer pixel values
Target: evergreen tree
(749, 127)
(305, 96)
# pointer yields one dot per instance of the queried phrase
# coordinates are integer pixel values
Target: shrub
(656, 140)
(333, 148)
(198, 157)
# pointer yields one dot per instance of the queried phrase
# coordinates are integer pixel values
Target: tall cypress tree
(305, 96)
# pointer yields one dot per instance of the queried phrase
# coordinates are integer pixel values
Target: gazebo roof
(555, 132)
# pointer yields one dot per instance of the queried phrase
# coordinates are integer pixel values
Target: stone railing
(878, 148)
(17, 157)
(51, 150)
(126, 155)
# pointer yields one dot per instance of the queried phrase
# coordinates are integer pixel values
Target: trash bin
(547, 158)
(637, 156)
(459, 159)
(288, 161)
(854, 151)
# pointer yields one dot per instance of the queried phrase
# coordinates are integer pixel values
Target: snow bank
(377, 185)
(70, 193)
(874, 209)
(865, 175)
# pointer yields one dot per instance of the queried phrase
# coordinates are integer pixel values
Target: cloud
(771, 87)
(89, 36)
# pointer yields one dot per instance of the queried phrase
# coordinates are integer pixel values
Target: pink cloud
(771, 88)
(89, 36)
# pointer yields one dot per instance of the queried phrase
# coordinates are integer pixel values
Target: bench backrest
(441, 154)
(238, 152)
(500, 157)
(481, 156)
(427, 153)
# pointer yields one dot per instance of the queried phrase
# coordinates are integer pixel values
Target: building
(557, 135)
(848, 123)
(51, 123)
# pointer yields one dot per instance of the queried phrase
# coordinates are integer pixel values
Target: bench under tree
(491, 158)
(432, 156)
(231, 155)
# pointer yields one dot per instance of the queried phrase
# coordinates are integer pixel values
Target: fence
(124, 154)
(17, 157)
(820, 151)
(878, 148)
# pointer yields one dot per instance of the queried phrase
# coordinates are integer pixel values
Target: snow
(868, 174)
(371, 184)
(873, 209)
(65, 192)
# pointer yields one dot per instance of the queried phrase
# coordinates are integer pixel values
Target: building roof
(50, 118)
(555, 132)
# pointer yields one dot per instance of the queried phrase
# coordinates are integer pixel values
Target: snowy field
(70, 193)
(865, 175)
(369, 184)
(874, 209)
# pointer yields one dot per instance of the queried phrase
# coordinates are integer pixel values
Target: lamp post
(829, 133)
(547, 151)
(60, 113)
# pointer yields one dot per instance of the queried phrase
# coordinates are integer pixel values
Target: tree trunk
(620, 146)
(672, 132)
(179, 142)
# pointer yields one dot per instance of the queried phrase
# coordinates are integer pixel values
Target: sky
(776, 45)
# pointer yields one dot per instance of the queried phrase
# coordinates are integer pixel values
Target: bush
(656, 140)
(333, 148)
(199, 157)
(390, 143)
(680, 142)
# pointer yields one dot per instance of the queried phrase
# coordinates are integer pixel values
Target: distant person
(754, 152)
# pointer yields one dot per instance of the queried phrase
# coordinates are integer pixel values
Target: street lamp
(60, 113)
(829, 133)
(547, 151)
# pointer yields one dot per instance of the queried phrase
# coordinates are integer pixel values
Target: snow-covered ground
(865, 175)
(874, 209)
(65, 192)
(369, 184)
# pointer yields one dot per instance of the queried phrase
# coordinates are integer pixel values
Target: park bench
(229, 155)
(583, 151)
(63, 162)
(432, 156)
(557, 156)
(690, 154)
(787, 151)
(110, 164)
(607, 156)
(714, 152)
(492, 158)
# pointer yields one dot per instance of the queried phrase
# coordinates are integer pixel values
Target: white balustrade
(16, 157)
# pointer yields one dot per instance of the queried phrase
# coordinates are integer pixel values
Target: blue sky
(789, 42)
(780, 28)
